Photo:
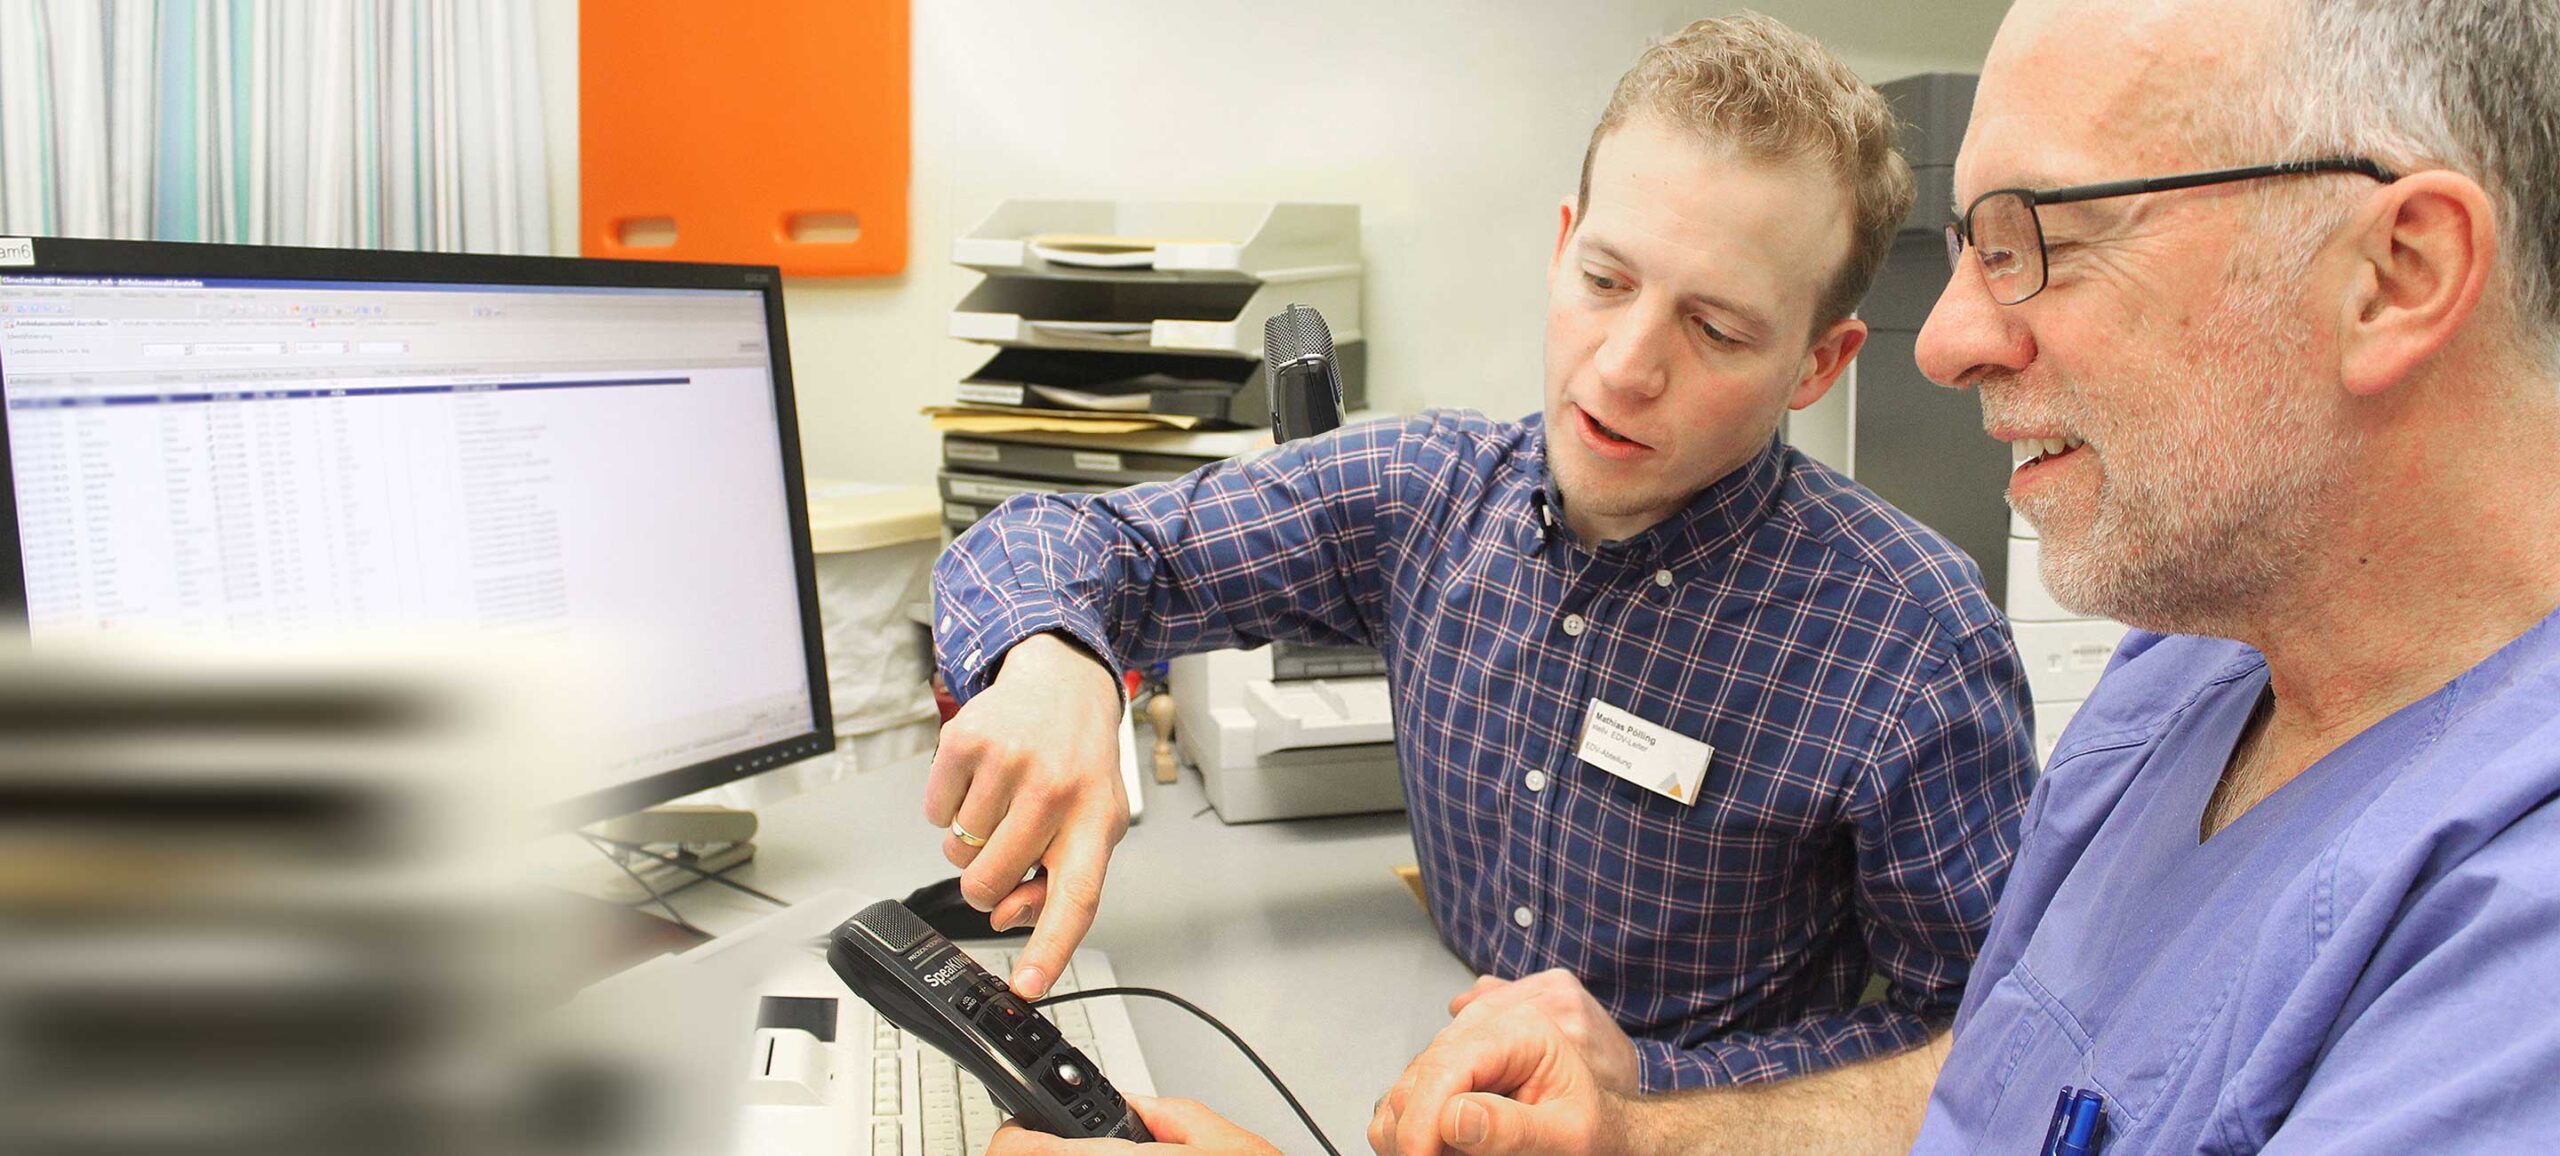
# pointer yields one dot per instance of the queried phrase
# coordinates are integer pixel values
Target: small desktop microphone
(919, 981)
(1306, 387)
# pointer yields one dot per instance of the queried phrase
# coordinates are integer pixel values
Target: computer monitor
(255, 444)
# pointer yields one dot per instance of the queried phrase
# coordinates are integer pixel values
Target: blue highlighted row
(193, 398)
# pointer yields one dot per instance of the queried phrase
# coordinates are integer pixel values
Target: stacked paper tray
(1168, 241)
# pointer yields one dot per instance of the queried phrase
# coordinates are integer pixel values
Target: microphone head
(1296, 333)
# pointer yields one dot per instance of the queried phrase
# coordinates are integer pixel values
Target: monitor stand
(710, 839)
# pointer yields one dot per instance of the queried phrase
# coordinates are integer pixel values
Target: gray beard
(2218, 516)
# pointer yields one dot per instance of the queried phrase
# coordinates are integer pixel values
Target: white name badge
(1662, 761)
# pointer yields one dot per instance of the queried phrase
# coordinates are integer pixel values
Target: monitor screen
(242, 444)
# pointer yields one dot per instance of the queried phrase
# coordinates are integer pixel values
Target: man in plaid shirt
(1644, 552)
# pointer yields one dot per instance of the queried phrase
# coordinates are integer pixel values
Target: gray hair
(2467, 85)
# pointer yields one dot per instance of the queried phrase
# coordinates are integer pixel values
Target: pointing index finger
(1074, 896)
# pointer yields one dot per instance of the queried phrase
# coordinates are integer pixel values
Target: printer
(1288, 730)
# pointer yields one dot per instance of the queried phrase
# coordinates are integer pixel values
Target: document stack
(1127, 339)
(1128, 349)
(980, 470)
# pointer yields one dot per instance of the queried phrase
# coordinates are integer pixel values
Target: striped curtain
(404, 124)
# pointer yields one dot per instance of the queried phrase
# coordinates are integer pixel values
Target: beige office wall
(1456, 126)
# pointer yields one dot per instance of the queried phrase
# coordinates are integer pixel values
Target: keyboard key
(979, 1117)
(884, 1085)
(885, 1036)
(941, 1114)
(942, 1137)
(888, 1138)
(938, 1082)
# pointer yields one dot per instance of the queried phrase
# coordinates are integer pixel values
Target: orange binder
(768, 132)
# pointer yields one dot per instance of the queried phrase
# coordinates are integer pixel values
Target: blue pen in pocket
(2053, 1127)
(2079, 1123)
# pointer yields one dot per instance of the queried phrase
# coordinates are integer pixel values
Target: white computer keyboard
(874, 1091)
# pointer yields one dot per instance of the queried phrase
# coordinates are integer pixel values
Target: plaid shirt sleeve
(1279, 545)
(1936, 823)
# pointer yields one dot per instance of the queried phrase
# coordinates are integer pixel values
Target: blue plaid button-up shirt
(1863, 698)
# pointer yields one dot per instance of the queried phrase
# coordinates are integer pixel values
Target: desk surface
(1297, 934)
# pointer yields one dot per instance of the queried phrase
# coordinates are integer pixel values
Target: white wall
(1455, 126)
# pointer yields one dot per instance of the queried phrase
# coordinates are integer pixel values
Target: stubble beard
(2202, 523)
(1585, 493)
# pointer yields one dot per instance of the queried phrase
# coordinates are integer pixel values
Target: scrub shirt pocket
(2143, 1049)
(2037, 1055)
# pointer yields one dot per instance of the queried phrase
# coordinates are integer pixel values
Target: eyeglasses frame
(1959, 230)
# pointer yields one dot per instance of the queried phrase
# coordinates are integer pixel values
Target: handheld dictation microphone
(1306, 387)
(919, 981)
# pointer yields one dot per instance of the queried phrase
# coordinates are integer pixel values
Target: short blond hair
(1776, 95)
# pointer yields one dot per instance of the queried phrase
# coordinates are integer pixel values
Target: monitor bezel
(67, 256)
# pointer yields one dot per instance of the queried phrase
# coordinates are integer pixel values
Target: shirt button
(1662, 578)
(1534, 780)
(1523, 916)
(1573, 625)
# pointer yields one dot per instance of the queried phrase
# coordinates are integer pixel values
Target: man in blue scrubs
(2291, 882)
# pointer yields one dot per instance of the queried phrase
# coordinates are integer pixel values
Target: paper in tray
(1016, 419)
(1137, 331)
(1099, 251)
(1092, 402)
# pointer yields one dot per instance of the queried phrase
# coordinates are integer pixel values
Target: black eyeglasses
(2008, 238)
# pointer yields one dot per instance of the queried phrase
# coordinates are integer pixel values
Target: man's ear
(2423, 250)
(1830, 354)
(1564, 232)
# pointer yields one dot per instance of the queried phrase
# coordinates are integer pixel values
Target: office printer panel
(1249, 781)
(1330, 712)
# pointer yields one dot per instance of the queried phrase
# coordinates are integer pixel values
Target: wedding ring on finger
(962, 834)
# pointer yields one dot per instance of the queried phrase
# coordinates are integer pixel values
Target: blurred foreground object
(272, 908)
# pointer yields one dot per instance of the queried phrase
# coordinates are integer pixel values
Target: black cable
(1223, 1030)
(672, 861)
(672, 913)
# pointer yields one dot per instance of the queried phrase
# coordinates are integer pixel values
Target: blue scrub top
(2367, 961)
